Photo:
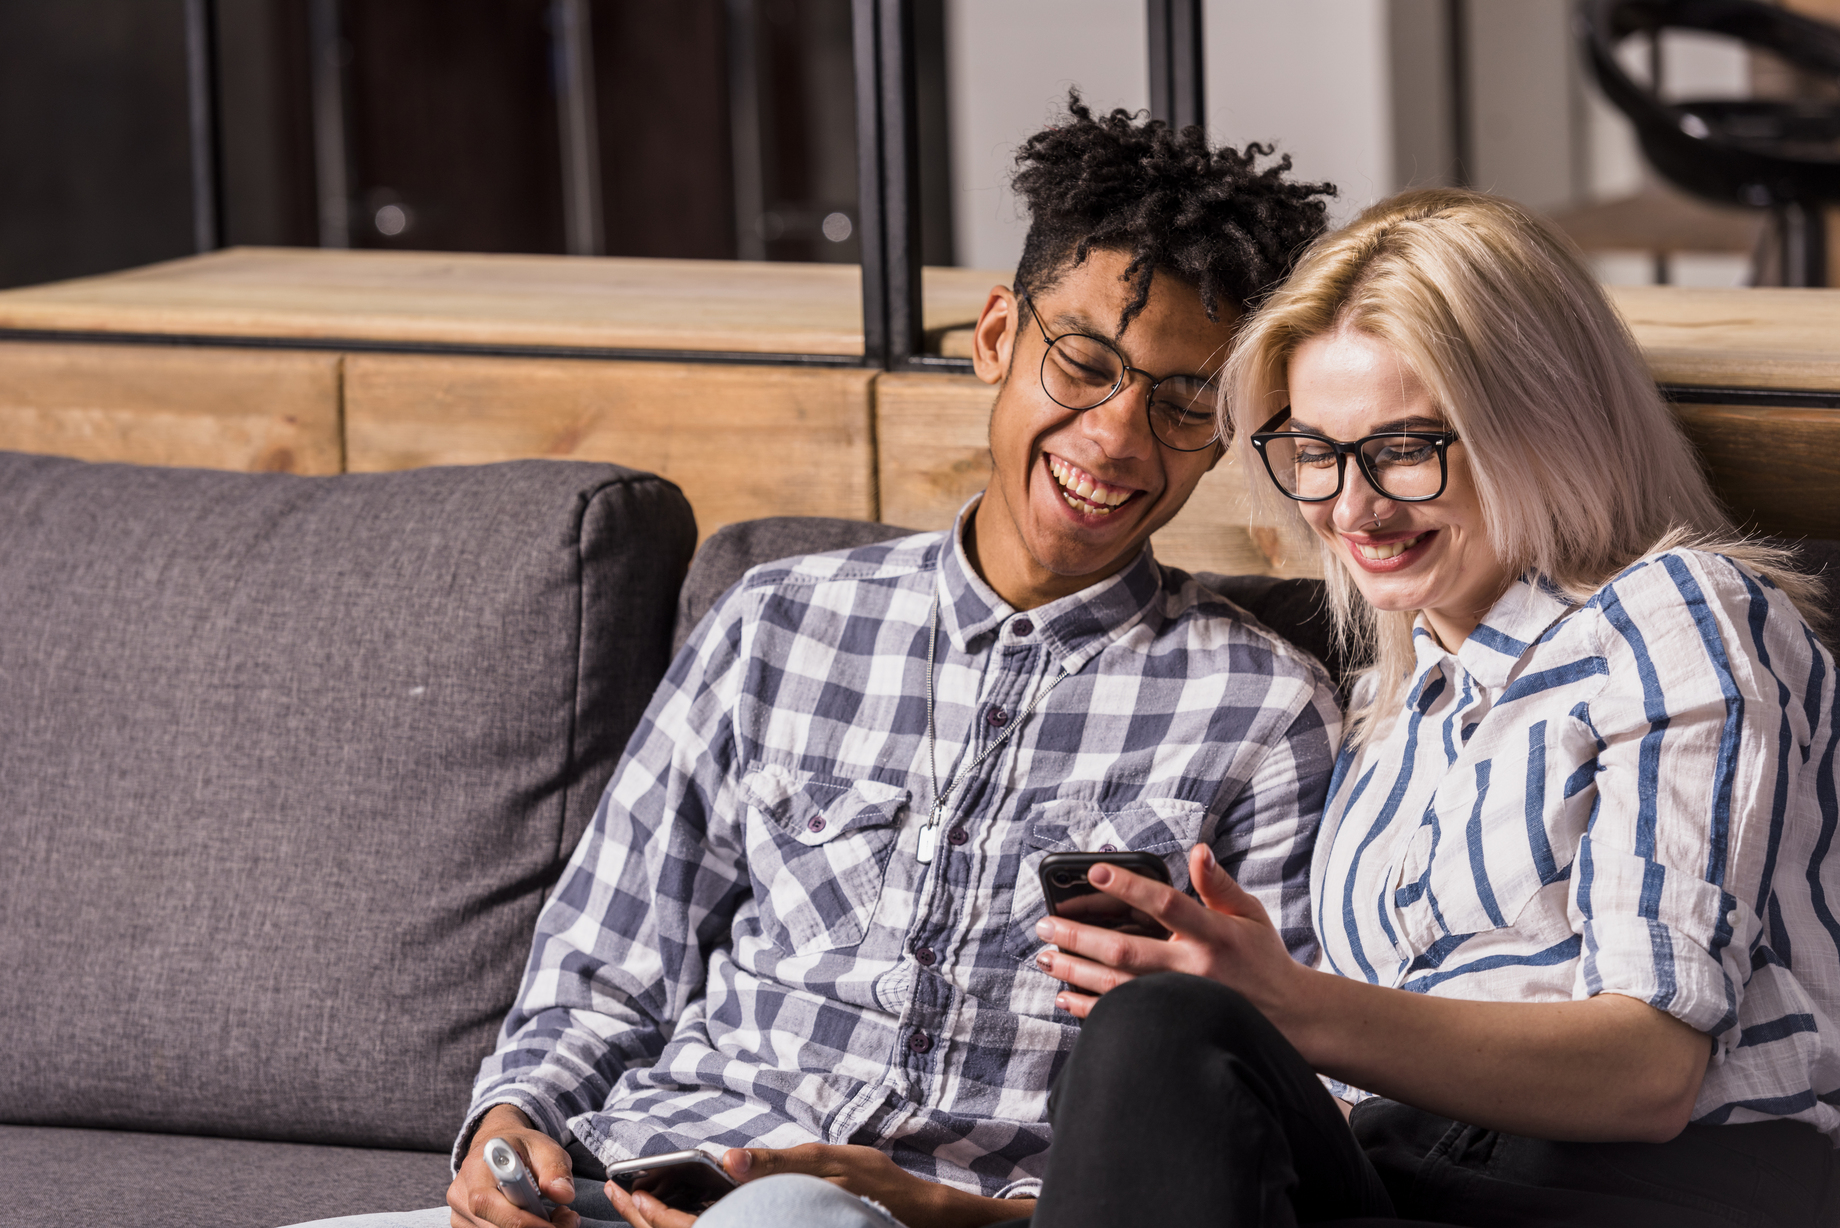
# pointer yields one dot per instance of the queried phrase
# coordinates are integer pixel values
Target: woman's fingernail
(1044, 929)
(1060, 1001)
(1045, 958)
(1099, 875)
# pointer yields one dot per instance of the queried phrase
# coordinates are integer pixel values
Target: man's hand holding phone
(476, 1198)
(1226, 936)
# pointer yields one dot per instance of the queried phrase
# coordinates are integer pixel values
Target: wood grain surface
(932, 436)
(482, 299)
(741, 441)
(1778, 470)
(260, 411)
(1738, 338)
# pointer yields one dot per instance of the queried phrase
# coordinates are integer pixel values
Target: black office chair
(1783, 155)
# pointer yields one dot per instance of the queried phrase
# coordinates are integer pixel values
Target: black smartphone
(682, 1180)
(1069, 895)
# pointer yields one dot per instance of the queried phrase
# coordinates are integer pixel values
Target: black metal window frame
(888, 172)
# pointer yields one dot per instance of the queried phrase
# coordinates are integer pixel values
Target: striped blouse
(1635, 795)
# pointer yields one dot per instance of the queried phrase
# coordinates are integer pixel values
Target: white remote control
(514, 1180)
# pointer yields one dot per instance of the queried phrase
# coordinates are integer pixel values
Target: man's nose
(1120, 425)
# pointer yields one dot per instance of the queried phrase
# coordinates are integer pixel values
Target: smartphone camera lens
(1067, 878)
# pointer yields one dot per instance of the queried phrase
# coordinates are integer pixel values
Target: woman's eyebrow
(1420, 424)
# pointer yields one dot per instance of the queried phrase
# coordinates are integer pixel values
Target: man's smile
(1085, 493)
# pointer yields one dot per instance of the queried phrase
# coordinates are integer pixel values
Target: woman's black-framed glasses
(1405, 466)
(1080, 372)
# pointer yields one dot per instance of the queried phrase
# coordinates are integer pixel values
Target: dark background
(447, 115)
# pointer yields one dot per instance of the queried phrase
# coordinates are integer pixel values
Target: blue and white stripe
(1635, 795)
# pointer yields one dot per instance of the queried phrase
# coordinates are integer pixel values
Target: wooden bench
(738, 381)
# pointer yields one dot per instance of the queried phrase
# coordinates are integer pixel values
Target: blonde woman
(1576, 886)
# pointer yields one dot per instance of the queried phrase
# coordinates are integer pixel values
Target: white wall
(1008, 66)
(1311, 77)
(1317, 78)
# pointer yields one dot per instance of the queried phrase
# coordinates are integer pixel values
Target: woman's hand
(864, 1171)
(1227, 937)
(1608, 1068)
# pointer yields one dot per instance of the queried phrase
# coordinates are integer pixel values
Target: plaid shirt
(745, 949)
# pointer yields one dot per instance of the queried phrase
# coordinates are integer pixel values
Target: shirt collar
(1511, 627)
(1075, 628)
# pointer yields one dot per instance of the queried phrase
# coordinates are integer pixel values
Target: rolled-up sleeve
(1691, 778)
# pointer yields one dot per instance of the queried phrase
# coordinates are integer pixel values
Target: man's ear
(993, 341)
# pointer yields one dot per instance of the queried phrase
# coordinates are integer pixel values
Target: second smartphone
(1064, 885)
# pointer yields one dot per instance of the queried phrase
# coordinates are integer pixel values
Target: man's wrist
(950, 1207)
(505, 1117)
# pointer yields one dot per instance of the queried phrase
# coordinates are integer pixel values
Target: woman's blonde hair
(1579, 465)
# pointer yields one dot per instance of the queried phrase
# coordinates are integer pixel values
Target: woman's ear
(993, 340)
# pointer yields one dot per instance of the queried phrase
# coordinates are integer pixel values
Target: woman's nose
(1359, 508)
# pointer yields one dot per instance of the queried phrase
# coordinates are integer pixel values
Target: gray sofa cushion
(118, 1178)
(286, 765)
(734, 548)
(1292, 608)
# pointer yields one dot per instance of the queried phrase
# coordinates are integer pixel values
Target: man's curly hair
(1137, 186)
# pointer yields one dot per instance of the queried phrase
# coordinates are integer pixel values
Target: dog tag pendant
(929, 835)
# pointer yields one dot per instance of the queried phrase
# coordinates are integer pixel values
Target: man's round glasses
(1405, 466)
(1081, 372)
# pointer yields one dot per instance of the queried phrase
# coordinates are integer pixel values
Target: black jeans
(1182, 1105)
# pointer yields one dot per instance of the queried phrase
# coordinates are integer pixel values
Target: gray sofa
(286, 766)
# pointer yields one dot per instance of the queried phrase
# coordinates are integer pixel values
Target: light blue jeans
(789, 1200)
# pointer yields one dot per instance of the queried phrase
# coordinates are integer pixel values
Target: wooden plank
(741, 441)
(258, 411)
(1736, 338)
(480, 299)
(932, 435)
(1727, 338)
(1778, 470)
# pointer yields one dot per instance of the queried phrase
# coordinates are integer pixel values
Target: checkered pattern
(1636, 796)
(745, 949)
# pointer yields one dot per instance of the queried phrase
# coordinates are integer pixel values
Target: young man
(802, 921)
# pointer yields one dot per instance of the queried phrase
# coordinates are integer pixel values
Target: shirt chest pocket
(1469, 868)
(1164, 827)
(818, 850)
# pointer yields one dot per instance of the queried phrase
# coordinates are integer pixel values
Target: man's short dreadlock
(1167, 199)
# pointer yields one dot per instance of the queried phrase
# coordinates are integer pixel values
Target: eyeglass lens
(1079, 372)
(1401, 466)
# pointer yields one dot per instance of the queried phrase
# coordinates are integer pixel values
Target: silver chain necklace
(942, 799)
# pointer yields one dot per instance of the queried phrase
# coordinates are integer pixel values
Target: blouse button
(816, 825)
(957, 835)
(920, 1042)
(1734, 918)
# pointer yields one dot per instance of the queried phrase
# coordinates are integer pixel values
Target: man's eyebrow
(1073, 322)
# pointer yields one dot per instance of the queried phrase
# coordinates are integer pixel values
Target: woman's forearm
(1609, 1068)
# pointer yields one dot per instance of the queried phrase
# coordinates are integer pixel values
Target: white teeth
(1082, 493)
(1391, 549)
